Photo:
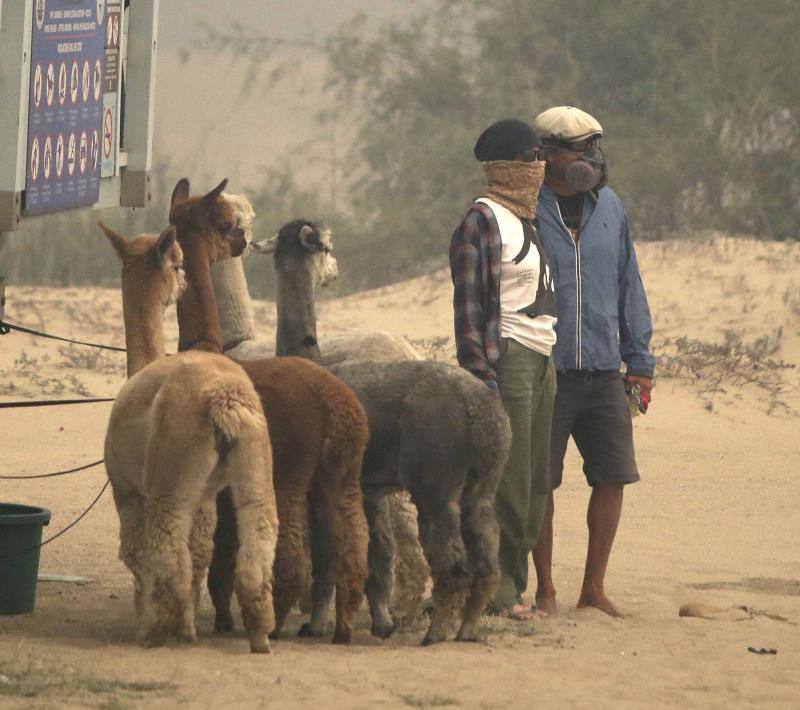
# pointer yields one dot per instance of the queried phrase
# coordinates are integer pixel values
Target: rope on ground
(60, 532)
(52, 402)
(5, 327)
(50, 475)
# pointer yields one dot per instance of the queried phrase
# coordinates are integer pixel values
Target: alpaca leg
(166, 596)
(481, 535)
(291, 565)
(411, 572)
(201, 545)
(130, 508)
(381, 554)
(257, 522)
(223, 563)
(440, 530)
(351, 557)
(322, 553)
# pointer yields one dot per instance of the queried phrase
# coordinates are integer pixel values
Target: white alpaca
(181, 428)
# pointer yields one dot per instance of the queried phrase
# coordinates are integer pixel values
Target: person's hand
(644, 382)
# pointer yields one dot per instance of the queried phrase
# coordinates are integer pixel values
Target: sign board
(65, 110)
(62, 68)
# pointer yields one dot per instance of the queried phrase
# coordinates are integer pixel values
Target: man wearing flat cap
(603, 321)
(504, 305)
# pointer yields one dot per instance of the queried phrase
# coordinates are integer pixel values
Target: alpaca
(435, 430)
(318, 430)
(410, 570)
(180, 429)
(238, 325)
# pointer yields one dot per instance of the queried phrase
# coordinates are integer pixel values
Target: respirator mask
(589, 172)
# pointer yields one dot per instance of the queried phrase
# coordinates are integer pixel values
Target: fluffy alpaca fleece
(180, 429)
(318, 431)
(435, 430)
(410, 570)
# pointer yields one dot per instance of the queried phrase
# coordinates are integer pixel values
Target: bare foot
(546, 602)
(599, 600)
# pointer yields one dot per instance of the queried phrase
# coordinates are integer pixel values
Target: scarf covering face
(515, 185)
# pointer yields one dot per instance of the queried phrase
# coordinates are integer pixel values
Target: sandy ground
(714, 521)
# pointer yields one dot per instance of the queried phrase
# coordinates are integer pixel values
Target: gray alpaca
(435, 431)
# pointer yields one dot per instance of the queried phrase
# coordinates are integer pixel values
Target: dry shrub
(732, 362)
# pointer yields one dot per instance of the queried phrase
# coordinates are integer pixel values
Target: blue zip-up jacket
(603, 316)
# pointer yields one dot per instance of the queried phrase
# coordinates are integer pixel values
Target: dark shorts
(593, 408)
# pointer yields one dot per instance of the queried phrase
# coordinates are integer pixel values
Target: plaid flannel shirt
(475, 252)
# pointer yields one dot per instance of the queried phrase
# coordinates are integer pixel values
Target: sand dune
(712, 524)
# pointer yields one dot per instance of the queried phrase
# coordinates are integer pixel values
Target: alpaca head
(206, 223)
(302, 244)
(152, 265)
(243, 214)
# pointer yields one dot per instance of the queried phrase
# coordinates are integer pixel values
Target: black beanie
(505, 140)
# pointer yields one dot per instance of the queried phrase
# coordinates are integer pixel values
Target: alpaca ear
(265, 246)
(180, 193)
(119, 242)
(164, 243)
(208, 200)
(306, 233)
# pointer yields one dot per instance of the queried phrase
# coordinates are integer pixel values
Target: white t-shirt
(522, 285)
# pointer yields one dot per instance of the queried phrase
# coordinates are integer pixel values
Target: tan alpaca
(181, 428)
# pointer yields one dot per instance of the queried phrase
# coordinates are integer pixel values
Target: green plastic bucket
(20, 537)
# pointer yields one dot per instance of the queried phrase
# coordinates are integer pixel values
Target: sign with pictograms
(51, 83)
(60, 155)
(46, 159)
(65, 108)
(108, 135)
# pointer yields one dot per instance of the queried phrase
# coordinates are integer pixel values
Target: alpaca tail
(490, 431)
(244, 449)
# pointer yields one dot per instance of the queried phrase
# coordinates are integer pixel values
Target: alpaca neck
(297, 319)
(198, 322)
(144, 331)
(234, 308)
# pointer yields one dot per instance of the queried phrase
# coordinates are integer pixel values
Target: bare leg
(605, 508)
(543, 562)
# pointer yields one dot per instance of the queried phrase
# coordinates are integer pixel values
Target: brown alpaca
(318, 430)
(181, 428)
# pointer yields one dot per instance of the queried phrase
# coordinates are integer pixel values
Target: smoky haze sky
(211, 122)
(292, 19)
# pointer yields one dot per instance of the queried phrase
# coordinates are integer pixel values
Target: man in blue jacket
(603, 320)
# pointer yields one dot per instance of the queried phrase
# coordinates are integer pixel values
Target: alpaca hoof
(306, 631)
(382, 631)
(341, 637)
(223, 622)
(260, 645)
(153, 639)
(187, 636)
(433, 637)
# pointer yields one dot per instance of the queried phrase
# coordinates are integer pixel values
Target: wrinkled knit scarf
(515, 185)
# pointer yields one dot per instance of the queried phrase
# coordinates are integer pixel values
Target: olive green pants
(527, 381)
